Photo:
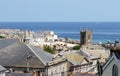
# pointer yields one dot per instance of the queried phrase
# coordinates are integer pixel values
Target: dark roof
(6, 42)
(45, 57)
(18, 74)
(2, 68)
(17, 54)
(84, 74)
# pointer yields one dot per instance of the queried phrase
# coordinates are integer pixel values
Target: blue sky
(59, 10)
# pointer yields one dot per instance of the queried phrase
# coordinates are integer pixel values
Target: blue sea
(102, 31)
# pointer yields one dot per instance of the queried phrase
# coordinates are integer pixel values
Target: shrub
(77, 47)
(2, 37)
(49, 49)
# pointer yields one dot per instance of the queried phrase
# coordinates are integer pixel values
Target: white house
(2, 71)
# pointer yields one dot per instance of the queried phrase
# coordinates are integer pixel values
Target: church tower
(85, 37)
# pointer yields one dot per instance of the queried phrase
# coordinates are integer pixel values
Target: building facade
(57, 67)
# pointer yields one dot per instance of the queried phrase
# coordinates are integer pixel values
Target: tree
(49, 49)
(77, 47)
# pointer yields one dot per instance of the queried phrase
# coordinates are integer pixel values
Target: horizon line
(61, 21)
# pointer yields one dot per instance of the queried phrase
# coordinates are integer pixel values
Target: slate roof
(94, 52)
(18, 74)
(6, 42)
(45, 57)
(74, 58)
(16, 55)
(2, 68)
(87, 54)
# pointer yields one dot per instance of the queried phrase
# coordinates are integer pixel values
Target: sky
(59, 10)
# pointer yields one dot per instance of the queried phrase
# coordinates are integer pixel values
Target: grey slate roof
(75, 58)
(15, 55)
(2, 68)
(6, 42)
(18, 74)
(45, 57)
(86, 54)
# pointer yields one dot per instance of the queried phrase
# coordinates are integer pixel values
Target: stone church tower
(85, 37)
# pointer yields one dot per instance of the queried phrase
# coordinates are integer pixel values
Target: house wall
(86, 68)
(58, 69)
(108, 70)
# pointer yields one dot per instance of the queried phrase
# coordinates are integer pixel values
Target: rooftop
(6, 42)
(74, 58)
(17, 54)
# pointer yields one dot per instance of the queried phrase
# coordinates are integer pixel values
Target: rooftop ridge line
(35, 54)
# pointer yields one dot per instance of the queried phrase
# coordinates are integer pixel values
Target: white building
(44, 38)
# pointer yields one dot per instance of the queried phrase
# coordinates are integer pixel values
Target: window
(115, 70)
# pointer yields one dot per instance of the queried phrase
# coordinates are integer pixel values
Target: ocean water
(102, 31)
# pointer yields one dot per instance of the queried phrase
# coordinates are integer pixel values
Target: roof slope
(44, 56)
(74, 58)
(16, 55)
(6, 42)
(87, 54)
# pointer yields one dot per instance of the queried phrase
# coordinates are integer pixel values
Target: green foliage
(2, 37)
(49, 49)
(77, 47)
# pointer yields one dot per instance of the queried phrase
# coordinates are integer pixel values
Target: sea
(102, 31)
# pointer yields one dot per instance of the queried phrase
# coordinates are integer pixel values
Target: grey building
(19, 56)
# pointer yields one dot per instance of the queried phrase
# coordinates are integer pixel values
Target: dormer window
(115, 70)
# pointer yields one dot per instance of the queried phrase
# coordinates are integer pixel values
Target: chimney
(115, 48)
